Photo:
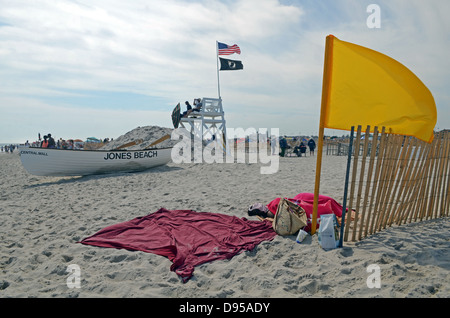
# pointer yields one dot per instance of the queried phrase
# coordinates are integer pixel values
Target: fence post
(349, 159)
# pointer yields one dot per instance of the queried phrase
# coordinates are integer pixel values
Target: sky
(100, 68)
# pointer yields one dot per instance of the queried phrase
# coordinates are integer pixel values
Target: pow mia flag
(230, 65)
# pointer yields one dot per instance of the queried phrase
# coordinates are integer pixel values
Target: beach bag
(289, 219)
(328, 234)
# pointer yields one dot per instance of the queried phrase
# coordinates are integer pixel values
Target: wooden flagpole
(324, 104)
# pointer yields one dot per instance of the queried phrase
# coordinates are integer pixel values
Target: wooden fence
(394, 180)
(335, 148)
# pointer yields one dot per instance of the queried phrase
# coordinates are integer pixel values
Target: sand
(43, 218)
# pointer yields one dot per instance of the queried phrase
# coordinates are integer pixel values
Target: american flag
(228, 50)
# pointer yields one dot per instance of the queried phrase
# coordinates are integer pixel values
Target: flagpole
(324, 104)
(217, 61)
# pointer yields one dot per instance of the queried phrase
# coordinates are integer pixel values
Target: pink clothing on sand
(326, 205)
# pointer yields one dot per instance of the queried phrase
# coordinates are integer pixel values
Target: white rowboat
(60, 162)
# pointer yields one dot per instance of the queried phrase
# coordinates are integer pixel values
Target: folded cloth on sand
(258, 209)
(326, 205)
(188, 238)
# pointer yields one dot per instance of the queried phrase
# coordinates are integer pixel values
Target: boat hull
(60, 162)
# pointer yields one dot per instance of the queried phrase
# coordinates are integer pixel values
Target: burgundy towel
(188, 238)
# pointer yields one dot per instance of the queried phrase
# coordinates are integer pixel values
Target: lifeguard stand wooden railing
(208, 122)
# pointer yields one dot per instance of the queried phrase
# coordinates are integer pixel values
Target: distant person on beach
(300, 149)
(312, 146)
(188, 110)
(273, 144)
(197, 105)
(44, 143)
(283, 146)
(51, 141)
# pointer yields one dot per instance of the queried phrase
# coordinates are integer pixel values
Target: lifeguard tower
(207, 123)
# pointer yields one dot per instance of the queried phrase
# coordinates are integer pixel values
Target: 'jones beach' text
(130, 155)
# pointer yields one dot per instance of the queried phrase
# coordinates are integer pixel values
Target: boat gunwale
(96, 150)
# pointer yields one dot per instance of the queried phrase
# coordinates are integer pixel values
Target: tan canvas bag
(289, 219)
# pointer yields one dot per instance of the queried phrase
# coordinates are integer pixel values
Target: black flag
(230, 65)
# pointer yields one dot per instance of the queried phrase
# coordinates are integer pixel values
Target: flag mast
(325, 98)
(217, 61)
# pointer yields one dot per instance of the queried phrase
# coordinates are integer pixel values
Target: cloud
(71, 45)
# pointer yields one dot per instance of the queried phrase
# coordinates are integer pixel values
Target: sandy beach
(43, 218)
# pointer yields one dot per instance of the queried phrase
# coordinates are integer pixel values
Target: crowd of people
(299, 150)
(48, 141)
(8, 148)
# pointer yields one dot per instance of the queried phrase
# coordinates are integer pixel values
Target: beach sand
(43, 218)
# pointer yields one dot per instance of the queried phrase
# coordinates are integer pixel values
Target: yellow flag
(367, 88)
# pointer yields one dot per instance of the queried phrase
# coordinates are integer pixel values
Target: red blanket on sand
(326, 205)
(186, 237)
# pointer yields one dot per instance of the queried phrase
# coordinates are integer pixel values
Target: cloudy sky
(101, 68)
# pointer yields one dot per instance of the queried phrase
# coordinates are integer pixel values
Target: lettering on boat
(33, 152)
(130, 155)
